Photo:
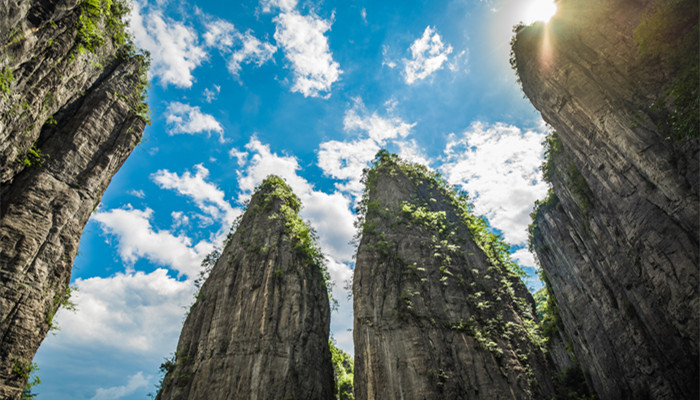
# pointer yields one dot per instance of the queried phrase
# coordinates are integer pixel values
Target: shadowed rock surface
(69, 116)
(438, 316)
(618, 236)
(259, 328)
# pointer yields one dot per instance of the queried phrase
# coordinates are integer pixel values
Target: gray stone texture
(44, 207)
(620, 245)
(434, 318)
(259, 327)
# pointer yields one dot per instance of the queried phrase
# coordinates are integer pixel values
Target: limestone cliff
(71, 111)
(259, 328)
(439, 311)
(618, 236)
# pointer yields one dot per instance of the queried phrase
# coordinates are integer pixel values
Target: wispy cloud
(252, 51)
(240, 48)
(136, 238)
(134, 383)
(174, 46)
(206, 195)
(428, 54)
(305, 47)
(184, 118)
(499, 165)
(345, 160)
(211, 94)
(133, 313)
(137, 193)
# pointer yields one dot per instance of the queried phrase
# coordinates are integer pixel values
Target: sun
(539, 10)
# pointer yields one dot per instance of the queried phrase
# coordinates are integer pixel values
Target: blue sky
(308, 90)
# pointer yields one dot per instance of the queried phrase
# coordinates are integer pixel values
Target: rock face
(69, 116)
(618, 237)
(259, 328)
(438, 316)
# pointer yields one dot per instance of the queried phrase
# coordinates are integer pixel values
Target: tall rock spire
(259, 327)
(71, 112)
(618, 238)
(440, 312)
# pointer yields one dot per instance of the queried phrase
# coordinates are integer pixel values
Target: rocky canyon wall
(618, 235)
(439, 311)
(71, 111)
(259, 327)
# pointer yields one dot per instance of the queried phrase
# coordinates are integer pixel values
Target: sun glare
(540, 10)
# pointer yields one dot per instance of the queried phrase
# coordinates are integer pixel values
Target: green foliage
(6, 79)
(26, 370)
(668, 33)
(578, 186)
(89, 34)
(571, 384)
(34, 157)
(438, 377)
(207, 264)
(106, 17)
(61, 300)
(548, 310)
(303, 237)
(493, 245)
(344, 373)
(552, 150)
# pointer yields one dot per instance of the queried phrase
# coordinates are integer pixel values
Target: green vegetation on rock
(344, 373)
(6, 79)
(668, 33)
(493, 245)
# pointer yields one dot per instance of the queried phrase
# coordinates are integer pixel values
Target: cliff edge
(618, 236)
(71, 111)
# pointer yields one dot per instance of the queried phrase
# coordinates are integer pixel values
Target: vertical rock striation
(439, 314)
(259, 328)
(70, 113)
(618, 236)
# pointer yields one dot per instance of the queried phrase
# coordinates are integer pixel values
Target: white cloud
(363, 14)
(428, 54)
(211, 94)
(524, 258)
(499, 165)
(346, 160)
(460, 61)
(134, 383)
(409, 151)
(284, 5)
(329, 214)
(137, 238)
(179, 219)
(306, 48)
(207, 196)
(224, 36)
(252, 51)
(184, 118)
(137, 193)
(378, 128)
(386, 60)
(135, 313)
(240, 156)
(220, 34)
(174, 47)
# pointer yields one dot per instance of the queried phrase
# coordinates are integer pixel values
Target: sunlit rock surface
(619, 237)
(259, 327)
(68, 120)
(435, 316)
